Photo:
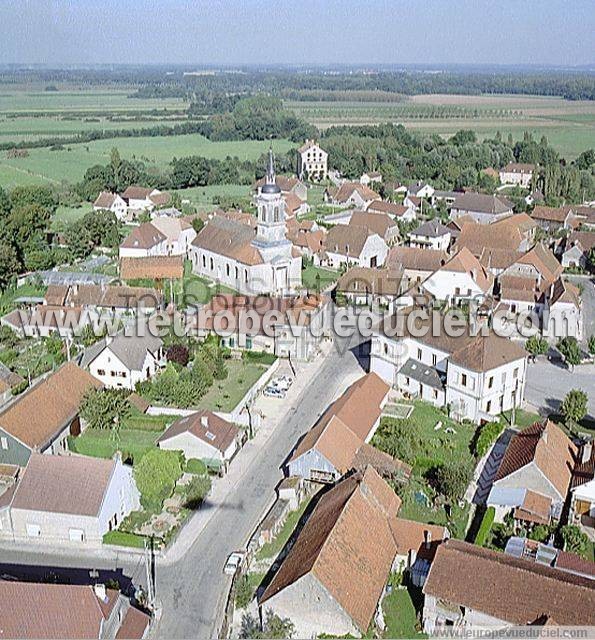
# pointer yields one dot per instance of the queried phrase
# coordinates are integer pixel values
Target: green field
(43, 166)
(568, 125)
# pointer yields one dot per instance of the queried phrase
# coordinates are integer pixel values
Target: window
(33, 530)
(515, 373)
(100, 372)
(489, 406)
(407, 381)
(4, 443)
(490, 382)
(435, 394)
(204, 261)
(385, 349)
(211, 264)
(434, 359)
(76, 535)
(464, 379)
(232, 341)
(503, 377)
(248, 343)
(227, 269)
(457, 291)
(419, 354)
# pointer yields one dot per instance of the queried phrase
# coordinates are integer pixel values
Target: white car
(234, 562)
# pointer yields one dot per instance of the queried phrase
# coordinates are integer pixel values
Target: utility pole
(150, 571)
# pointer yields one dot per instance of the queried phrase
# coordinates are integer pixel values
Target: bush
(536, 345)
(196, 466)
(541, 533)
(196, 491)
(178, 353)
(485, 527)
(156, 474)
(575, 540)
(570, 350)
(488, 434)
(453, 477)
(574, 405)
(259, 357)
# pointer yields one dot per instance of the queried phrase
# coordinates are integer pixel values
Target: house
(295, 206)
(353, 245)
(517, 173)
(476, 376)
(25, 427)
(369, 177)
(158, 268)
(553, 219)
(45, 320)
(472, 588)
(416, 264)
(448, 197)
(306, 237)
(380, 223)
(417, 543)
(582, 489)
(145, 198)
(534, 476)
(250, 260)
(577, 248)
(350, 194)
(460, 279)
(121, 361)
(431, 235)
(32, 610)
(514, 233)
(289, 327)
(163, 236)
(70, 499)
(289, 187)
(203, 435)
(334, 575)
(111, 202)
(397, 211)
(339, 440)
(480, 207)
(371, 286)
(420, 189)
(312, 162)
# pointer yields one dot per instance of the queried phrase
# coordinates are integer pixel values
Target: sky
(543, 32)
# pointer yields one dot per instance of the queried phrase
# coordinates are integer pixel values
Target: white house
(203, 435)
(163, 236)
(312, 161)
(582, 488)
(483, 208)
(70, 499)
(462, 278)
(401, 212)
(111, 202)
(517, 173)
(122, 361)
(421, 189)
(431, 235)
(249, 260)
(577, 248)
(353, 245)
(369, 177)
(478, 377)
(351, 194)
(145, 198)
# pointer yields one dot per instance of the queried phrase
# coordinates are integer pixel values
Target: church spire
(271, 167)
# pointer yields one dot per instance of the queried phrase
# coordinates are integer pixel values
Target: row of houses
(133, 200)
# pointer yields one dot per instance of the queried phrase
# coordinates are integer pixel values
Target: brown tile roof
(484, 353)
(136, 193)
(344, 192)
(536, 508)
(420, 537)
(152, 267)
(39, 610)
(346, 240)
(550, 214)
(575, 564)
(217, 432)
(63, 484)
(548, 447)
(134, 625)
(583, 471)
(465, 262)
(236, 216)
(544, 261)
(144, 236)
(284, 183)
(482, 203)
(379, 223)
(45, 316)
(336, 547)
(384, 464)
(39, 414)
(105, 200)
(361, 280)
(113, 296)
(563, 291)
(500, 585)
(160, 199)
(55, 295)
(506, 234)
(312, 240)
(393, 209)
(498, 258)
(518, 167)
(583, 239)
(415, 259)
(292, 204)
(229, 238)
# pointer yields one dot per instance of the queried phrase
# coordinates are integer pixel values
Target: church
(252, 259)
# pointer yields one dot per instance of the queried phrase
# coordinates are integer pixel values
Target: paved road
(193, 590)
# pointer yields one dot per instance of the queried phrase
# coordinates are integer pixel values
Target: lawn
(100, 443)
(198, 290)
(8, 296)
(522, 418)
(71, 163)
(272, 549)
(124, 539)
(224, 395)
(318, 278)
(65, 216)
(204, 197)
(400, 614)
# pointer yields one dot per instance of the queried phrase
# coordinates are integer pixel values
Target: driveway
(548, 383)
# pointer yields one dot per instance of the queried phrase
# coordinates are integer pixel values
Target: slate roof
(517, 590)
(422, 373)
(130, 350)
(431, 229)
(482, 203)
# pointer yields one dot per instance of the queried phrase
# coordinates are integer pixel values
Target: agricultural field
(568, 125)
(44, 166)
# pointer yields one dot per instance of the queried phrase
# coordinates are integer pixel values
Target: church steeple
(270, 185)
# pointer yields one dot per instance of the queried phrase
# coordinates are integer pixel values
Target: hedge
(194, 465)
(485, 526)
(488, 434)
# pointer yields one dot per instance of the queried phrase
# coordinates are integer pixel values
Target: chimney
(100, 592)
(204, 421)
(586, 452)
(427, 539)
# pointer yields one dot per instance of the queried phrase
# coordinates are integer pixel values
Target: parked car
(234, 562)
(281, 382)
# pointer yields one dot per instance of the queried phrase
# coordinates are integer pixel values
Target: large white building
(312, 162)
(517, 173)
(163, 236)
(477, 377)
